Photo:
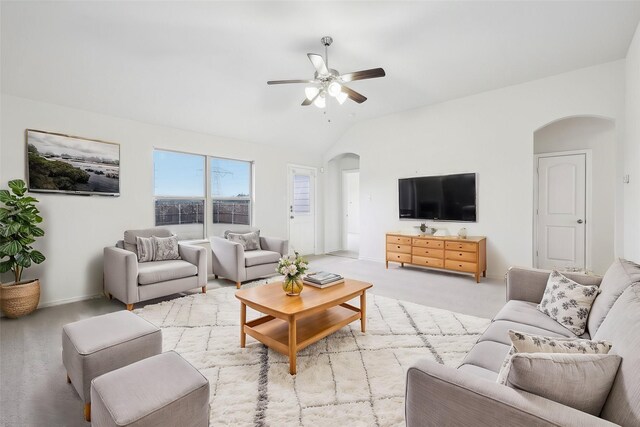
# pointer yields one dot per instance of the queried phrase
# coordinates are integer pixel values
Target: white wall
(597, 135)
(77, 228)
(333, 199)
(490, 133)
(632, 152)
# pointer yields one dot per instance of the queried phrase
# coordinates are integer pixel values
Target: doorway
(351, 212)
(301, 209)
(561, 204)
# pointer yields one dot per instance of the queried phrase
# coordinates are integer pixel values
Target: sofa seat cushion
(480, 372)
(162, 271)
(488, 355)
(527, 313)
(498, 331)
(260, 257)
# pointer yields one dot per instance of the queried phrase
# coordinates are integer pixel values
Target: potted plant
(293, 268)
(18, 231)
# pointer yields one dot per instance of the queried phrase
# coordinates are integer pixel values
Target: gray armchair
(232, 262)
(131, 282)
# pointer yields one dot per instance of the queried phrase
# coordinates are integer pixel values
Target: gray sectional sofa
(437, 395)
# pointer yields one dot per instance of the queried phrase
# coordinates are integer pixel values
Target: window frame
(208, 197)
(211, 198)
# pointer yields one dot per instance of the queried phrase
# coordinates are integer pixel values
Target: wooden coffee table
(293, 323)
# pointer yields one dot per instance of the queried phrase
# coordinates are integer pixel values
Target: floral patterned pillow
(166, 248)
(568, 302)
(249, 241)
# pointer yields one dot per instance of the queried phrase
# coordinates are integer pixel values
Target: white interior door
(561, 229)
(351, 206)
(301, 209)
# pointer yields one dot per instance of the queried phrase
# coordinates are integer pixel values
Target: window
(179, 193)
(183, 197)
(301, 197)
(230, 191)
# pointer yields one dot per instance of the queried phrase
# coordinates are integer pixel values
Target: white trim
(70, 300)
(314, 170)
(588, 230)
(344, 238)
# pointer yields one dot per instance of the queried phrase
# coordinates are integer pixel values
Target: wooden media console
(446, 253)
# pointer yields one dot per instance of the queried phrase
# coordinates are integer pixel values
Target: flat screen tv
(438, 198)
(59, 163)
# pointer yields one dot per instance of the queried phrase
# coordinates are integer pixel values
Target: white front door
(561, 211)
(351, 206)
(301, 209)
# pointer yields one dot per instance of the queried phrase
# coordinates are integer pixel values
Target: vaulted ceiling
(203, 66)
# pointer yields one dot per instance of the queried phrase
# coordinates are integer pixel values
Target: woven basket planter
(19, 299)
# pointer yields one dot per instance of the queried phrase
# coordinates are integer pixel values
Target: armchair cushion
(260, 257)
(162, 271)
(130, 243)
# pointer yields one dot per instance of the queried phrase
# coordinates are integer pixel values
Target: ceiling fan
(327, 81)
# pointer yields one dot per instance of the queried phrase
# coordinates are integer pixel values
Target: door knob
(580, 221)
(291, 217)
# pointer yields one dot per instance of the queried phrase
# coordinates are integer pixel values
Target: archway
(342, 205)
(575, 194)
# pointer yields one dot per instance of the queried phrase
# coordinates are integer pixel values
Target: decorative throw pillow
(248, 230)
(166, 248)
(581, 381)
(249, 241)
(568, 302)
(146, 249)
(522, 342)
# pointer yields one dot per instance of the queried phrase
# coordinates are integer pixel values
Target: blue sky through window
(178, 174)
(230, 178)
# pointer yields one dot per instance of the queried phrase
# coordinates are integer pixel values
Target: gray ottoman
(163, 390)
(98, 345)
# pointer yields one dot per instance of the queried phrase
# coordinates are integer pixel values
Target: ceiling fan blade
(284, 82)
(358, 97)
(318, 63)
(362, 75)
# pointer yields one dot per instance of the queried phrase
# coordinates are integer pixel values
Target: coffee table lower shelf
(274, 332)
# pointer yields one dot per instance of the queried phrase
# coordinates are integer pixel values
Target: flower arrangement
(293, 268)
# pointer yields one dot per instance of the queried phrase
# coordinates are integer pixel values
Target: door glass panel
(301, 194)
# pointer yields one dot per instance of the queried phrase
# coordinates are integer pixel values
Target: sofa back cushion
(130, 243)
(620, 327)
(618, 277)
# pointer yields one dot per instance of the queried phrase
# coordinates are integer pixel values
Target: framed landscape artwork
(58, 163)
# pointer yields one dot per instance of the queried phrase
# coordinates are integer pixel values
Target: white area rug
(349, 378)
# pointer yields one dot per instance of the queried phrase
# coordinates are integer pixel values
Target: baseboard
(70, 300)
(64, 301)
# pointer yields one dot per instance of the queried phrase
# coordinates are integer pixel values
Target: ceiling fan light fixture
(320, 101)
(311, 92)
(341, 97)
(334, 89)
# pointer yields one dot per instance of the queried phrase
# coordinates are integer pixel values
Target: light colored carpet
(349, 377)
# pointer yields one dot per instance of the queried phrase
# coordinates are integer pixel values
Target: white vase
(462, 233)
